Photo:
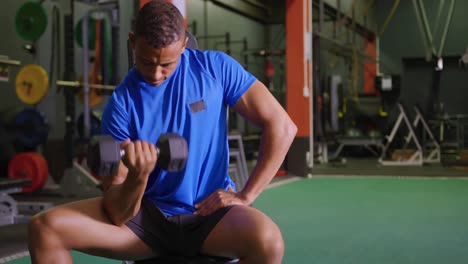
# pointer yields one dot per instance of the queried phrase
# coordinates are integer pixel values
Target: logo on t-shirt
(197, 106)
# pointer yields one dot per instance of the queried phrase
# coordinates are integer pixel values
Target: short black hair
(160, 23)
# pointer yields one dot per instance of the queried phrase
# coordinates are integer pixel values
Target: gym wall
(218, 21)
(214, 20)
(402, 52)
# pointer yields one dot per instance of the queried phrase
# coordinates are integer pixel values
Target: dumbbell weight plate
(173, 151)
(104, 154)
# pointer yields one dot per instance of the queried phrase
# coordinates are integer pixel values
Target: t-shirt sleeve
(115, 120)
(234, 78)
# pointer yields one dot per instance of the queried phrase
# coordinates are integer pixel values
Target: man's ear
(184, 44)
(131, 37)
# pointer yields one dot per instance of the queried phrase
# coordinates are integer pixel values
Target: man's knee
(264, 238)
(36, 224)
(42, 228)
(269, 241)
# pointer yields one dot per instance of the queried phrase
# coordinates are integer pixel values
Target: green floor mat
(78, 258)
(371, 220)
(364, 220)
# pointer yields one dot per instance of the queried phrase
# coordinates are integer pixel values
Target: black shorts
(181, 235)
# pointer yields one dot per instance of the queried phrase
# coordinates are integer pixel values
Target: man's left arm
(258, 106)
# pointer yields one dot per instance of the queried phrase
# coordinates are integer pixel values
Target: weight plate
(91, 33)
(27, 127)
(32, 84)
(29, 165)
(31, 21)
(31, 128)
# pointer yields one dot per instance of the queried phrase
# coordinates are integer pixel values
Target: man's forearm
(122, 201)
(274, 145)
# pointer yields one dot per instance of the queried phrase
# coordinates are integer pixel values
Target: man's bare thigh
(238, 232)
(83, 226)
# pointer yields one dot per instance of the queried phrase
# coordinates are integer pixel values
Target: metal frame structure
(420, 156)
(349, 21)
(79, 183)
(109, 8)
(10, 208)
(424, 28)
(417, 157)
(238, 153)
(309, 75)
(434, 154)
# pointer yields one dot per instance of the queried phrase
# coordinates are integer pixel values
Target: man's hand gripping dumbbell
(104, 154)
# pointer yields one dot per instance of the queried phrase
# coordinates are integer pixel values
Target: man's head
(158, 40)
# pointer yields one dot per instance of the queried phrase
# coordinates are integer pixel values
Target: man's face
(156, 65)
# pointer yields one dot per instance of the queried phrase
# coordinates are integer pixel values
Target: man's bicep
(258, 105)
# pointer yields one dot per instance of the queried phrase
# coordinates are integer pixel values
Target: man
(146, 211)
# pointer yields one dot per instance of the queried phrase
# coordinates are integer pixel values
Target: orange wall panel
(297, 104)
(370, 68)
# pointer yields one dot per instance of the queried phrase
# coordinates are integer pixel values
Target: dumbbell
(104, 154)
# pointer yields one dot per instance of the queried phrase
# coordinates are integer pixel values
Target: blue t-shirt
(192, 102)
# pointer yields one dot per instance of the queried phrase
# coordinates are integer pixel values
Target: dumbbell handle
(122, 152)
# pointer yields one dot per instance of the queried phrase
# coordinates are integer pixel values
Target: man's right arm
(122, 195)
(123, 192)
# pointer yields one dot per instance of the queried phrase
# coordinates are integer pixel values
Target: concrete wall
(402, 42)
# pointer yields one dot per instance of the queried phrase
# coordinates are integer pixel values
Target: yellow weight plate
(32, 84)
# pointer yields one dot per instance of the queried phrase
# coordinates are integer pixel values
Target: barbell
(76, 84)
(10, 62)
(32, 84)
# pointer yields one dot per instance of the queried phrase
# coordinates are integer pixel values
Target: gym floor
(357, 212)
